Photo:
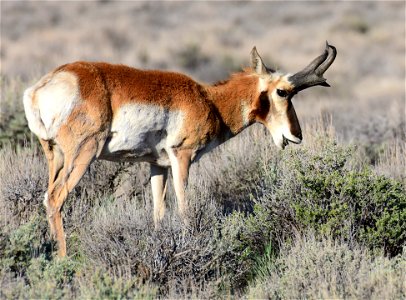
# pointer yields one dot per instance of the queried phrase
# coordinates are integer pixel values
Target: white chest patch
(141, 130)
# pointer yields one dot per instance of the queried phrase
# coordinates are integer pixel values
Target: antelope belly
(142, 132)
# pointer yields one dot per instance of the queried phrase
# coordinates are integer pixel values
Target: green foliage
(26, 257)
(314, 189)
(317, 189)
(264, 263)
(51, 279)
(26, 254)
(14, 130)
(248, 241)
(23, 244)
(61, 271)
(329, 197)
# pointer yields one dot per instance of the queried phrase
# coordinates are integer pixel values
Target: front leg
(180, 163)
(159, 177)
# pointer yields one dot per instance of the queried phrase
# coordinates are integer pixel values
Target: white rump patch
(48, 103)
(56, 101)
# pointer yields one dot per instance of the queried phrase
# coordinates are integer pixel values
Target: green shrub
(264, 262)
(51, 279)
(26, 266)
(244, 238)
(314, 189)
(59, 270)
(326, 195)
(318, 189)
(22, 245)
(27, 270)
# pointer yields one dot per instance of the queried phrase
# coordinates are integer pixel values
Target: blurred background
(210, 40)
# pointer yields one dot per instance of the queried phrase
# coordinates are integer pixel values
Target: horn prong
(313, 74)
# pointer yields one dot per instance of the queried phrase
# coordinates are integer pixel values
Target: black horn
(313, 74)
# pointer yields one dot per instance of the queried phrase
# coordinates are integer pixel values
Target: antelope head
(277, 91)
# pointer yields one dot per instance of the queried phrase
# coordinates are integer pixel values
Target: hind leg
(55, 159)
(75, 165)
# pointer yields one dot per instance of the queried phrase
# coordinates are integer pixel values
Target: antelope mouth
(294, 141)
(286, 141)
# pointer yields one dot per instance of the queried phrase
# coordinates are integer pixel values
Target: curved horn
(313, 74)
(331, 55)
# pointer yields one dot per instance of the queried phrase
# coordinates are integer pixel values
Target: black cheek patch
(290, 105)
(264, 105)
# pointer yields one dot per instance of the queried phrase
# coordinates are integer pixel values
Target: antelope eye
(281, 93)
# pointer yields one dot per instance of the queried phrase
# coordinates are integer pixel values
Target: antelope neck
(233, 100)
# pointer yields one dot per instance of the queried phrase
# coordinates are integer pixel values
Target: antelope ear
(256, 62)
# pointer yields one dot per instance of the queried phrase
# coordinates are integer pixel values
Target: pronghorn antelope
(84, 111)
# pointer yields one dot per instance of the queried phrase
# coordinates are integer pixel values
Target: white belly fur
(142, 132)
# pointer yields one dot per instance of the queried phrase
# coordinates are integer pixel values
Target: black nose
(299, 136)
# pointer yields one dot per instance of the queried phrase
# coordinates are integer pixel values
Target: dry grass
(392, 160)
(22, 178)
(327, 269)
